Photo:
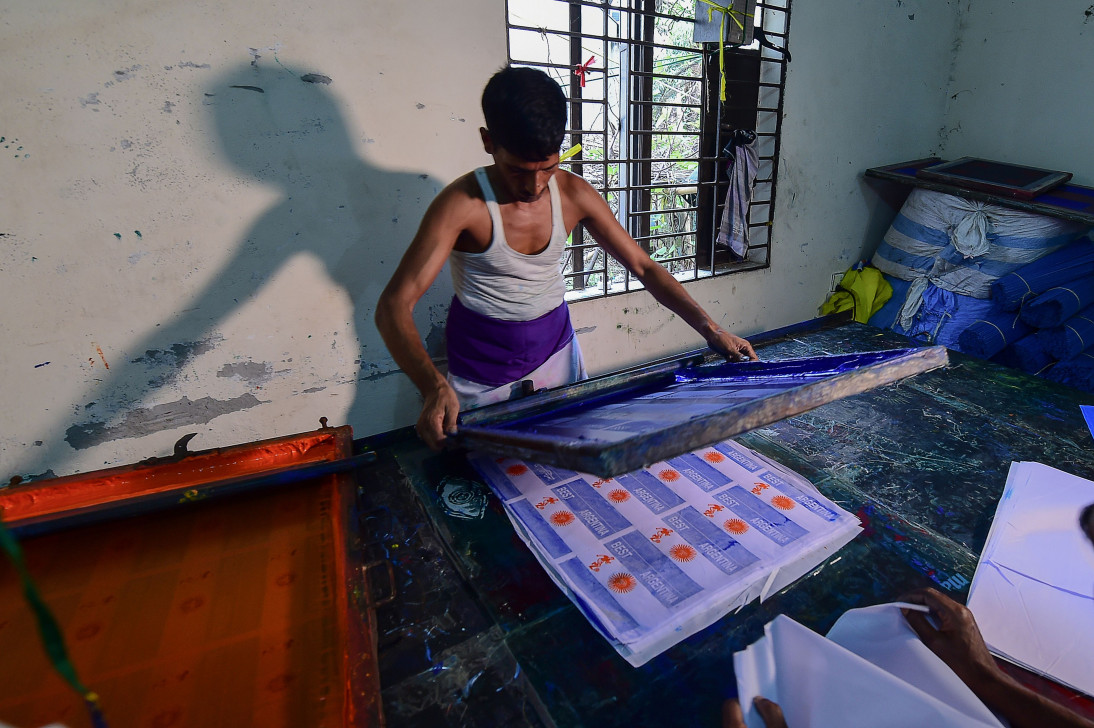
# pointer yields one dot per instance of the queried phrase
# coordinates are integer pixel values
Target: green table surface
(478, 635)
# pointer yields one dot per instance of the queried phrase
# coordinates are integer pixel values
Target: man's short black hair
(525, 112)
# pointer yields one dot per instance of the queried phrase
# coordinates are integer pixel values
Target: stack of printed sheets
(656, 555)
(1033, 592)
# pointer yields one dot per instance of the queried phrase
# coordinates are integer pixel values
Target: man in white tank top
(504, 229)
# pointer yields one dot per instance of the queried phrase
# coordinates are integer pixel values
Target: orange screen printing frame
(187, 483)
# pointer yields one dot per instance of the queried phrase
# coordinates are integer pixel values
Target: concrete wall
(194, 236)
(1021, 88)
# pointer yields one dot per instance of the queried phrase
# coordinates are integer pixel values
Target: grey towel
(733, 232)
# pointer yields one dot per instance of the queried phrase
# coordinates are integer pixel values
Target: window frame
(589, 271)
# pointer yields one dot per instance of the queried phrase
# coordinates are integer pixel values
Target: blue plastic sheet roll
(1058, 304)
(1028, 354)
(986, 337)
(1077, 372)
(1071, 338)
(1055, 269)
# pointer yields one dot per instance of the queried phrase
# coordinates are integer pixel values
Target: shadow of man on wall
(282, 130)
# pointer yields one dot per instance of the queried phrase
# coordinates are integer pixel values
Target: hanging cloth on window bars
(733, 232)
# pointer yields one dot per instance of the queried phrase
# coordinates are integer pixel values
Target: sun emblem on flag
(562, 518)
(714, 456)
(783, 503)
(735, 525)
(619, 495)
(668, 475)
(682, 552)
(516, 470)
(622, 582)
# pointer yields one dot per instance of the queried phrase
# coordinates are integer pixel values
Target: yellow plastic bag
(864, 291)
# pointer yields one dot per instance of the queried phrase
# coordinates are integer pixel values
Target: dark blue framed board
(1066, 201)
(618, 423)
(1000, 178)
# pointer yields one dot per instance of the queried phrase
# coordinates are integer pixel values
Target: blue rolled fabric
(1071, 338)
(942, 316)
(1028, 354)
(986, 337)
(1058, 304)
(963, 246)
(1077, 372)
(1057, 268)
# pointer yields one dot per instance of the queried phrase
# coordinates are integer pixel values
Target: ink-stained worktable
(480, 636)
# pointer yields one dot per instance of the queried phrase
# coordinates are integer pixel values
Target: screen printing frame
(508, 429)
(961, 172)
(322, 459)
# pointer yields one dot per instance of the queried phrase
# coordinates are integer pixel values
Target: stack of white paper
(1033, 592)
(871, 670)
(656, 555)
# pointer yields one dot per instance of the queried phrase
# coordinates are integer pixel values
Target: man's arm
(419, 267)
(595, 214)
(958, 642)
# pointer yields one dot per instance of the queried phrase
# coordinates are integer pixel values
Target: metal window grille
(644, 106)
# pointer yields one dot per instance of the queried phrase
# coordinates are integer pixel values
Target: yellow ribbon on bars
(569, 153)
(726, 11)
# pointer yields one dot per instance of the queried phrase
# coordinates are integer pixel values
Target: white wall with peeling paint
(183, 252)
(1021, 87)
(193, 238)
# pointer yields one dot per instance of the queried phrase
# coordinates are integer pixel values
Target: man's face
(525, 181)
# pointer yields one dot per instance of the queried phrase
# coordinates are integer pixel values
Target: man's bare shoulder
(570, 184)
(457, 218)
(579, 198)
(464, 190)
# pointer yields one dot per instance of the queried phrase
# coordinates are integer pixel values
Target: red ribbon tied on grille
(582, 69)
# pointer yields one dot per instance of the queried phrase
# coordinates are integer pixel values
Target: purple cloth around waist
(495, 352)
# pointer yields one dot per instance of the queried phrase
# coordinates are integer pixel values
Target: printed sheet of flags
(656, 555)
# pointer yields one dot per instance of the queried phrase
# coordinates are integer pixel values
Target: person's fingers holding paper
(732, 716)
(769, 710)
(953, 636)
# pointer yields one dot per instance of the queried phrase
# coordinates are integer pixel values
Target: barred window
(644, 105)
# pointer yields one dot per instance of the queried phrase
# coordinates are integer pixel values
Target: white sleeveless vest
(504, 284)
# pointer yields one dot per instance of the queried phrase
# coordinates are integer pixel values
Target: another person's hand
(772, 714)
(732, 347)
(956, 640)
(438, 416)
